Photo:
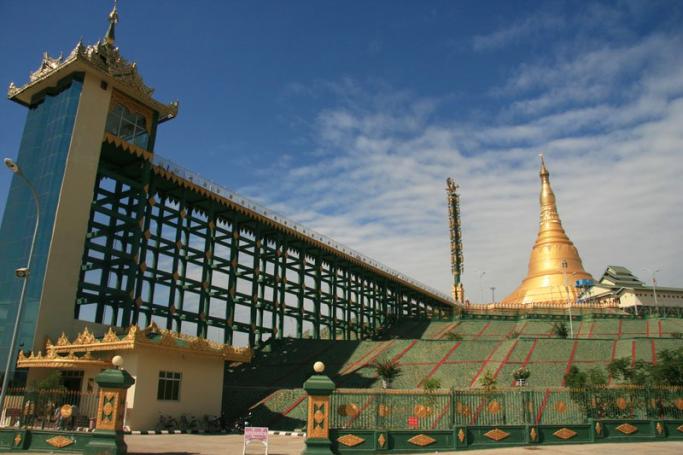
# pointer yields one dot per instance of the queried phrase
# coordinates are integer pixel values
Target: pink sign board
(255, 433)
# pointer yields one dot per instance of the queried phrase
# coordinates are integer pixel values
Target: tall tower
(457, 266)
(73, 104)
(554, 263)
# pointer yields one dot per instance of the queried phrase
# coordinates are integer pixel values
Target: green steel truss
(161, 250)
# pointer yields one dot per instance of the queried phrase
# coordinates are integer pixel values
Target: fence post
(319, 387)
(108, 436)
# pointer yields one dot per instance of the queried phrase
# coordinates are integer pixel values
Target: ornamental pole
(319, 387)
(108, 436)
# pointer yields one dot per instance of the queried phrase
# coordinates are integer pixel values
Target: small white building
(175, 374)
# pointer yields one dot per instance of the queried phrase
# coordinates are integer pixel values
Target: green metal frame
(160, 250)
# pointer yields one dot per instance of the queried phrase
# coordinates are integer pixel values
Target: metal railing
(417, 410)
(49, 409)
(275, 217)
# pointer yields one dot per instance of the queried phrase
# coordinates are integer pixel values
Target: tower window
(129, 121)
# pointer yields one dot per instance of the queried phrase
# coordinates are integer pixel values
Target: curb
(295, 434)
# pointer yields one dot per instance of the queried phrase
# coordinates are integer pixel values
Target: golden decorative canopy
(64, 352)
(554, 264)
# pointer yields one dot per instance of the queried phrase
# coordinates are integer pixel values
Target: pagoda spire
(555, 262)
(110, 36)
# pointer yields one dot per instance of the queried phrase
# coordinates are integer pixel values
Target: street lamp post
(22, 272)
(569, 304)
(654, 288)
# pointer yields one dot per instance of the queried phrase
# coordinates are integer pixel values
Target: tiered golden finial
(110, 37)
(554, 265)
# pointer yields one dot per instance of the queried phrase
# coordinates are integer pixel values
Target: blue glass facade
(42, 158)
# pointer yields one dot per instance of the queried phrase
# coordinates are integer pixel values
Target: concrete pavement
(287, 445)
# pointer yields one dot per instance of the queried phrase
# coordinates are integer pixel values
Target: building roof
(618, 276)
(65, 353)
(103, 58)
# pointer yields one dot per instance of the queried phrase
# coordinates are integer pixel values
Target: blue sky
(349, 116)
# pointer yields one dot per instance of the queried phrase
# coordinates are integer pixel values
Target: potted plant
(387, 370)
(521, 375)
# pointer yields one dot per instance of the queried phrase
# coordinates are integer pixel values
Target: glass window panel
(126, 130)
(129, 126)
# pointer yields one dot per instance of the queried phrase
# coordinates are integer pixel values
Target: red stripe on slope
(483, 365)
(528, 356)
(590, 332)
(482, 330)
(541, 408)
(440, 363)
(279, 416)
(443, 413)
(505, 360)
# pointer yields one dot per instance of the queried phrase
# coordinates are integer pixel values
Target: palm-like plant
(387, 370)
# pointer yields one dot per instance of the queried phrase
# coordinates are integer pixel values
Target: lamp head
(117, 361)
(11, 165)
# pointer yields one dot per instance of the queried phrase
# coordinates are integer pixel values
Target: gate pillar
(108, 436)
(319, 387)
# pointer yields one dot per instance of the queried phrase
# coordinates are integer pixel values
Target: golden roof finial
(544, 170)
(546, 278)
(110, 37)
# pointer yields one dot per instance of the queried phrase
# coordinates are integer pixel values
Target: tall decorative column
(319, 387)
(108, 436)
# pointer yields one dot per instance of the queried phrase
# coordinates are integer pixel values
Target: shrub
(52, 381)
(387, 370)
(488, 381)
(560, 330)
(431, 385)
(667, 372)
(577, 379)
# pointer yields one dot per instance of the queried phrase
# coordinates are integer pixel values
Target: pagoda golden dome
(555, 264)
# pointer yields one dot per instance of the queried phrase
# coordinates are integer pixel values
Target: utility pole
(493, 294)
(569, 303)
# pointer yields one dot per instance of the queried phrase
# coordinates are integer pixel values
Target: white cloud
(615, 159)
(512, 34)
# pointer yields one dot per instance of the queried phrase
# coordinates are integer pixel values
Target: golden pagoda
(555, 264)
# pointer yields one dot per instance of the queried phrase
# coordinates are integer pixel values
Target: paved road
(287, 445)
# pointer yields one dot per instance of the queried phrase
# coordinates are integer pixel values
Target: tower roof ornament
(110, 36)
(102, 56)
